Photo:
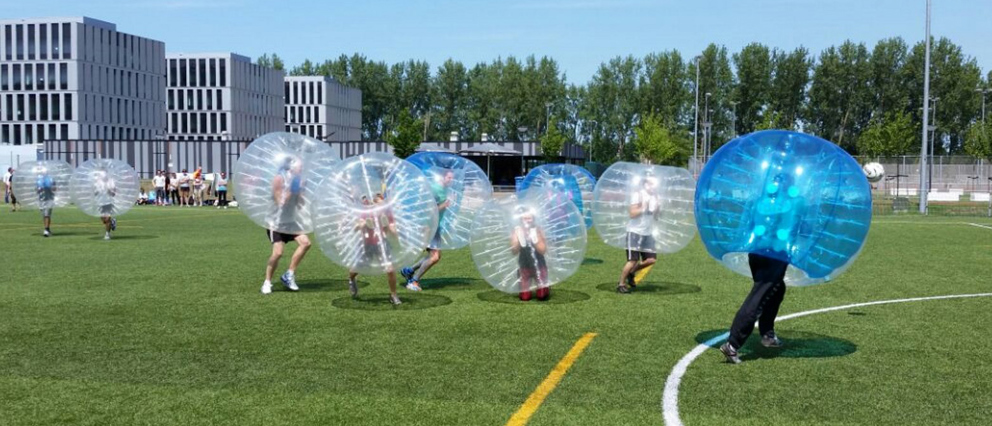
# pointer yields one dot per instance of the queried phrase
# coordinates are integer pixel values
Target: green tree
(894, 135)
(716, 78)
(754, 75)
(839, 97)
(611, 102)
(450, 96)
(551, 143)
(889, 93)
(788, 87)
(978, 142)
(307, 68)
(665, 87)
(274, 61)
(405, 139)
(483, 113)
(657, 143)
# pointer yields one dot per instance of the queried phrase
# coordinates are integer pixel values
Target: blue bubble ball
(571, 182)
(788, 196)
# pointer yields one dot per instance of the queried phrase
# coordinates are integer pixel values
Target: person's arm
(541, 245)
(277, 190)
(514, 241)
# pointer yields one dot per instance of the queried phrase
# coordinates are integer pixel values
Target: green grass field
(165, 325)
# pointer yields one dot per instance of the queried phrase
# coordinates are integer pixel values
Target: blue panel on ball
(573, 181)
(787, 196)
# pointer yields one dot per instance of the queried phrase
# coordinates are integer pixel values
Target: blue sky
(580, 34)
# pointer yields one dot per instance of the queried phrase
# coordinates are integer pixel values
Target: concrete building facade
(221, 96)
(322, 108)
(78, 78)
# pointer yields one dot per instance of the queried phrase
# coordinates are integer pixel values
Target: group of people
(185, 189)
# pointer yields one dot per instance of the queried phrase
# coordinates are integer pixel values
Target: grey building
(321, 107)
(78, 78)
(222, 96)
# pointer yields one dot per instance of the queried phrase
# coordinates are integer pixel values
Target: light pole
(695, 132)
(706, 126)
(733, 118)
(926, 112)
(983, 92)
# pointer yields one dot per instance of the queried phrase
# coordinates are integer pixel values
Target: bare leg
(628, 268)
(303, 245)
(391, 277)
(432, 259)
(644, 264)
(273, 262)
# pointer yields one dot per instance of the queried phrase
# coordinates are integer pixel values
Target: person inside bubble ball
(287, 197)
(528, 243)
(45, 187)
(376, 224)
(775, 225)
(645, 206)
(104, 191)
(414, 273)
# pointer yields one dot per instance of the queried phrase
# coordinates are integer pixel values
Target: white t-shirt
(183, 180)
(159, 181)
(6, 177)
(649, 205)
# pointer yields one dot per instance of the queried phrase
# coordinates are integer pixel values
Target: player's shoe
(353, 288)
(407, 273)
(630, 281)
(623, 289)
(266, 287)
(413, 285)
(47, 233)
(730, 353)
(395, 300)
(289, 281)
(106, 236)
(770, 340)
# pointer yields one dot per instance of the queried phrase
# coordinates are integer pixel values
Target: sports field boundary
(670, 396)
(549, 383)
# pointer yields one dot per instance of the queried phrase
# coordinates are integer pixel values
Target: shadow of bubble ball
(656, 288)
(327, 285)
(380, 302)
(558, 297)
(795, 344)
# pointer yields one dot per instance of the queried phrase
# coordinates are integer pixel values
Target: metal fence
(147, 156)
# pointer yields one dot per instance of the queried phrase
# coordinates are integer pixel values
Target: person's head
(448, 177)
(525, 215)
(10, 169)
(379, 198)
(184, 170)
(223, 175)
(365, 200)
(649, 181)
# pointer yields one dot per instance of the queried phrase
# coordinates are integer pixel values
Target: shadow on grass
(795, 344)
(126, 237)
(558, 297)
(380, 302)
(452, 283)
(657, 288)
(327, 285)
(592, 261)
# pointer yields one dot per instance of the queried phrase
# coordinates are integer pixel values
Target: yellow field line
(544, 389)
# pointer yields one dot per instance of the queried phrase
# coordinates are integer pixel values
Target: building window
(213, 123)
(203, 122)
(3, 77)
(296, 92)
(189, 99)
(20, 42)
(202, 72)
(8, 43)
(213, 72)
(182, 72)
(31, 46)
(172, 99)
(10, 107)
(43, 37)
(286, 92)
(68, 106)
(223, 122)
(66, 43)
(320, 92)
(220, 100)
(199, 99)
(51, 76)
(28, 76)
(223, 72)
(32, 107)
(17, 76)
(56, 109)
(64, 76)
(44, 107)
(29, 133)
(5, 133)
(193, 128)
(185, 123)
(65, 131)
(55, 41)
(172, 72)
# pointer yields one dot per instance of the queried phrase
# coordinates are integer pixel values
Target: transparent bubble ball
(575, 182)
(460, 188)
(104, 187)
(43, 184)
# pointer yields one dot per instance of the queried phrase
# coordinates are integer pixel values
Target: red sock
(543, 293)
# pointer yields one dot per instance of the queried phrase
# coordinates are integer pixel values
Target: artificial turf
(164, 324)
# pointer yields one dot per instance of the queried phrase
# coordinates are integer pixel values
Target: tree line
(867, 100)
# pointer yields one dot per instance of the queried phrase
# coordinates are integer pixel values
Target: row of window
(197, 122)
(119, 82)
(314, 131)
(254, 78)
(37, 107)
(107, 109)
(37, 41)
(41, 76)
(108, 47)
(195, 99)
(22, 134)
(197, 72)
(304, 92)
(257, 103)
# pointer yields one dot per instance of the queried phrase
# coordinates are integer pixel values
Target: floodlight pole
(695, 132)
(926, 115)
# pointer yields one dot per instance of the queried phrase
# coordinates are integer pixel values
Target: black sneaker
(770, 340)
(730, 353)
(630, 281)
(622, 289)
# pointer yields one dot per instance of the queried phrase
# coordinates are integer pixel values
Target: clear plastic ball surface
(644, 207)
(460, 189)
(43, 184)
(575, 182)
(104, 187)
(275, 179)
(374, 213)
(527, 241)
(787, 196)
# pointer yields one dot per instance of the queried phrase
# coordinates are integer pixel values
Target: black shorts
(279, 237)
(373, 252)
(641, 242)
